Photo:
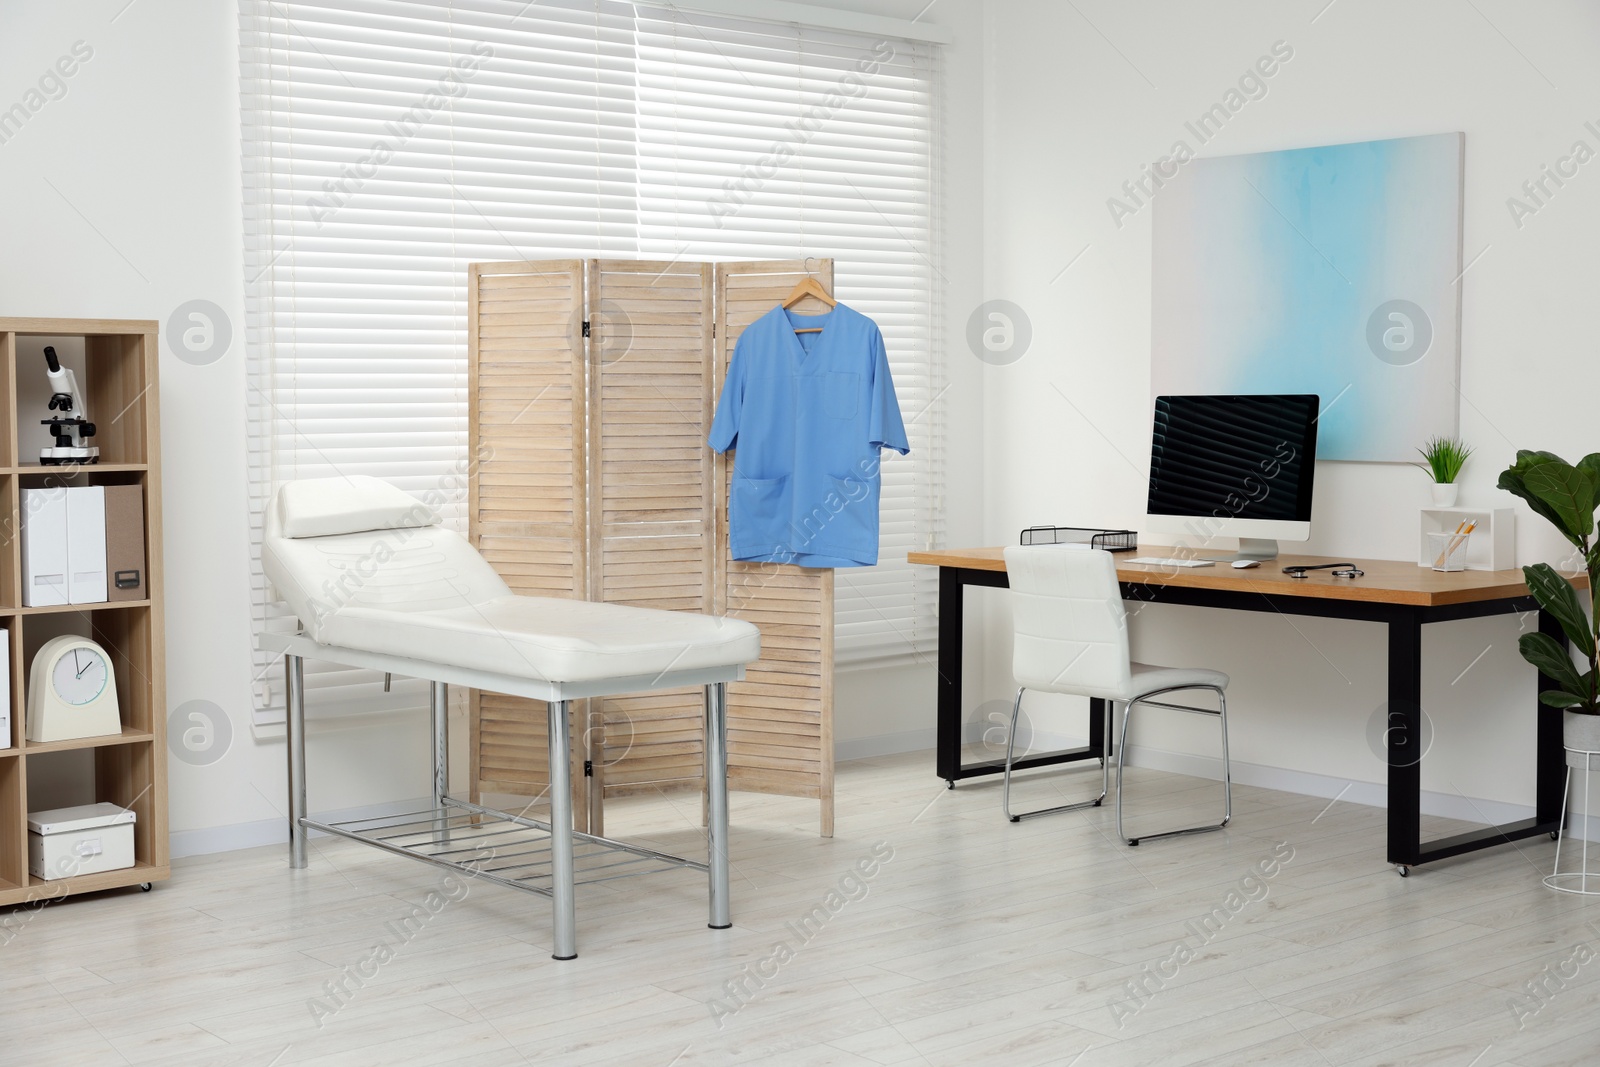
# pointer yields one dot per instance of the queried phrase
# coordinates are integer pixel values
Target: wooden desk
(1401, 595)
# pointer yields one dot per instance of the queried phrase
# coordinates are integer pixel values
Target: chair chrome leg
(563, 907)
(1227, 772)
(1011, 744)
(294, 679)
(1122, 757)
(1005, 787)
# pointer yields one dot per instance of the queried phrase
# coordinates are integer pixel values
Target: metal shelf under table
(509, 850)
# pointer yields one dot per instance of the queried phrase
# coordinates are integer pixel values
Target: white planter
(1580, 736)
(1444, 494)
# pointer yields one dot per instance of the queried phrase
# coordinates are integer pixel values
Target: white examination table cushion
(420, 591)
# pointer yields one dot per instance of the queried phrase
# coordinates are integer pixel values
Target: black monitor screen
(1234, 457)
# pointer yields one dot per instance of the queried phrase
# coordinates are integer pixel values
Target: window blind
(774, 142)
(390, 143)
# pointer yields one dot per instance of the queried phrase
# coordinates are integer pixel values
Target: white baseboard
(903, 741)
(273, 831)
(1305, 783)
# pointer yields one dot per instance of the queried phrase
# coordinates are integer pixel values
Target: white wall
(1078, 99)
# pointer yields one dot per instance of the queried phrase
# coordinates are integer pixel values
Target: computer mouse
(1245, 564)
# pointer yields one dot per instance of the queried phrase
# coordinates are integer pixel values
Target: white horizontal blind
(761, 141)
(389, 143)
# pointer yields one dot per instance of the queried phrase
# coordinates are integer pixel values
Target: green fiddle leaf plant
(1565, 495)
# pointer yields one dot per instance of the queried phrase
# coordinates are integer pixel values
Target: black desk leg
(1404, 738)
(1097, 728)
(948, 695)
(1552, 765)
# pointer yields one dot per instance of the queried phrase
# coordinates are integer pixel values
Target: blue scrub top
(807, 415)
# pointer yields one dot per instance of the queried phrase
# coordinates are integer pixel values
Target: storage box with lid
(87, 839)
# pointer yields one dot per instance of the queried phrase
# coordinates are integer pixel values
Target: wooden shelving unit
(118, 374)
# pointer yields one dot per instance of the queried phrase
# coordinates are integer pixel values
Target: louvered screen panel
(652, 537)
(654, 532)
(780, 718)
(527, 501)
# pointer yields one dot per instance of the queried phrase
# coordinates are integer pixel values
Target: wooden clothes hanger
(808, 286)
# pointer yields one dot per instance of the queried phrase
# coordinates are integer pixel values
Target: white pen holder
(1448, 551)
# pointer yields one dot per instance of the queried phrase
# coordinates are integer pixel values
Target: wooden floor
(969, 940)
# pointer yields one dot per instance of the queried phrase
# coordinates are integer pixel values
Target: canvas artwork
(1333, 270)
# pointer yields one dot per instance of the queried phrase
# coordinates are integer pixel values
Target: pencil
(1462, 530)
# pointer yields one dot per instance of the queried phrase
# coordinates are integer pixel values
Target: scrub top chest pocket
(840, 394)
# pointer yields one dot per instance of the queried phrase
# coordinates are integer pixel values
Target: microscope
(66, 398)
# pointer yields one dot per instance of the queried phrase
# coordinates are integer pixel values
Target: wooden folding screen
(591, 395)
(652, 531)
(780, 718)
(527, 502)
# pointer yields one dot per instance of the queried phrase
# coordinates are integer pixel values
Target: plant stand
(1582, 741)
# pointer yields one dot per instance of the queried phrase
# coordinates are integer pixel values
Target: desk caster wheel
(1555, 835)
(1403, 870)
(145, 887)
(949, 783)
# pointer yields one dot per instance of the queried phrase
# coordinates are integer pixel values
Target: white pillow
(356, 503)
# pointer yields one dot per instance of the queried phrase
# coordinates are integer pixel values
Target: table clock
(72, 692)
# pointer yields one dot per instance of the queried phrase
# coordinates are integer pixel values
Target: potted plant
(1445, 457)
(1566, 495)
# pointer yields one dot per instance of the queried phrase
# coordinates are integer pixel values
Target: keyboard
(1160, 561)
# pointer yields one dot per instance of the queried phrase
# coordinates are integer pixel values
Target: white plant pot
(1444, 494)
(1580, 735)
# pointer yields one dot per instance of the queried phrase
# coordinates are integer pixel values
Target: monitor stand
(1259, 549)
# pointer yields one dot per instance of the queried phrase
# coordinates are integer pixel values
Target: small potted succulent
(1445, 456)
(1566, 495)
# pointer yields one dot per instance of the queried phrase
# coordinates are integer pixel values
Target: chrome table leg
(294, 678)
(717, 802)
(439, 707)
(563, 904)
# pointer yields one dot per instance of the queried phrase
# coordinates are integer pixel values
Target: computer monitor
(1234, 466)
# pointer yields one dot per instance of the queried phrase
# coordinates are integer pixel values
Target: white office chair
(1072, 637)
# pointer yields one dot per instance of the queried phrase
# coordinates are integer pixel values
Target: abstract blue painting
(1332, 270)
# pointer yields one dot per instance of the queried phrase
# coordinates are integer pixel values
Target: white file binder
(86, 544)
(44, 547)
